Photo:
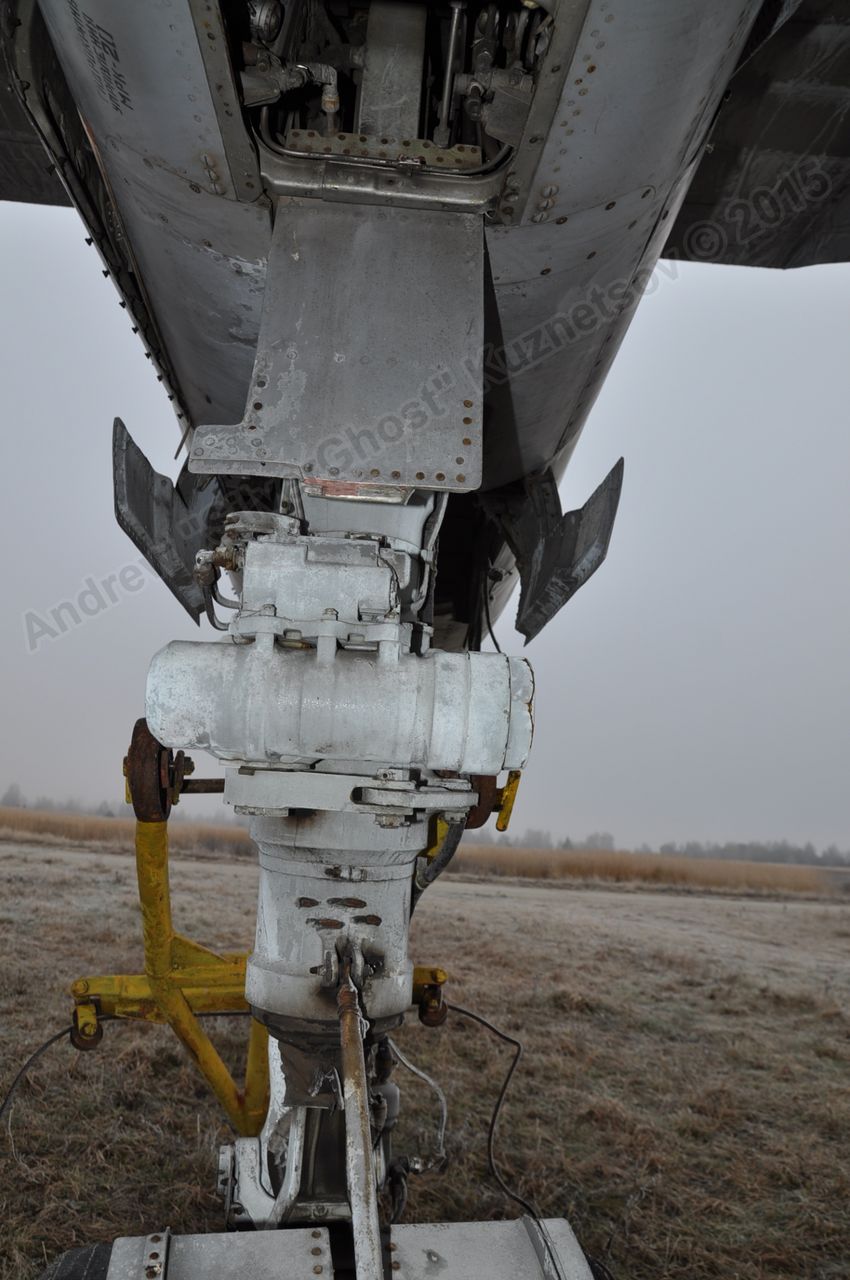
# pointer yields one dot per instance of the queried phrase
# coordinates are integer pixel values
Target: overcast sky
(697, 687)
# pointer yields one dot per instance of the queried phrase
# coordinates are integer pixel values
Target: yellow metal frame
(181, 980)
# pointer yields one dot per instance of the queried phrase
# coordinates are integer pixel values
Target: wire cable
(489, 623)
(531, 1210)
(66, 1031)
(497, 1109)
(30, 1062)
(441, 1097)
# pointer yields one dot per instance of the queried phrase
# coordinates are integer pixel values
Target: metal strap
(154, 1263)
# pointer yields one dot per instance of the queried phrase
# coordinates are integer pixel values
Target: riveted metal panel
(497, 1250)
(157, 98)
(263, 1255)
(368, 369)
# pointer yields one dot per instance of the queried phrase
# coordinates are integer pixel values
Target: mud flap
(165, 522)
(555, 553)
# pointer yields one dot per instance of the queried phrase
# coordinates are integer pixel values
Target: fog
(697, 686)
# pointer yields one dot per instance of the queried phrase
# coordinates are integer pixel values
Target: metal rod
(359, 1166)
(201, 786)
(451, 53)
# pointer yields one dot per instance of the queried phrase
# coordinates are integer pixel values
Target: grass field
(116, 834)
(641, 868)
(683, 1097)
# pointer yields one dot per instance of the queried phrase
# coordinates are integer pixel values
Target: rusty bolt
(432, 1011)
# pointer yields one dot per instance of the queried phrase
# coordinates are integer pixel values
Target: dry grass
(591, 865)
(683, 1097)
(40, 827)
(642, 868)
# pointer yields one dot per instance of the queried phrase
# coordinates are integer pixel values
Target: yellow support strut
(181, 980)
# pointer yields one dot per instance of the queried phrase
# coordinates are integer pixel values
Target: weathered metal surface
(482, 810)
(556, 554)
(284, 1201)
(458, 1251)
(165, 524)
(25, 170)
(341, 391)
(291, 1255)
(339, 178)
(391, 87)
(623, 104)
(146, 769)
(415, 151)
(773, 187)
(138, 67)
(468, 712)
(309, 865)
(274, 793)
(497, 1250)
(141, 85)
(605, 159)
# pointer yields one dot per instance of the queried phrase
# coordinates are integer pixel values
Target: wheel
(90, 1263)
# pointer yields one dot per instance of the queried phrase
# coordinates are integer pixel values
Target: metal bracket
(154, 1262)
(412, 151)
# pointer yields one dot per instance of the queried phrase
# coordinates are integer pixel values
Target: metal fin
(556, 554)
(165, 522)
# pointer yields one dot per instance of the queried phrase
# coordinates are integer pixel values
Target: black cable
(66, 1031)
(494, 1120)
(487, 616)
(422, 879)
(531, 1209)
(31, 1060)
(600, 1271)
(443, 857)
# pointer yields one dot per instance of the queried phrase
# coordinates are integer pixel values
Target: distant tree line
(14, 798)
(762, 851)
(782, 851)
